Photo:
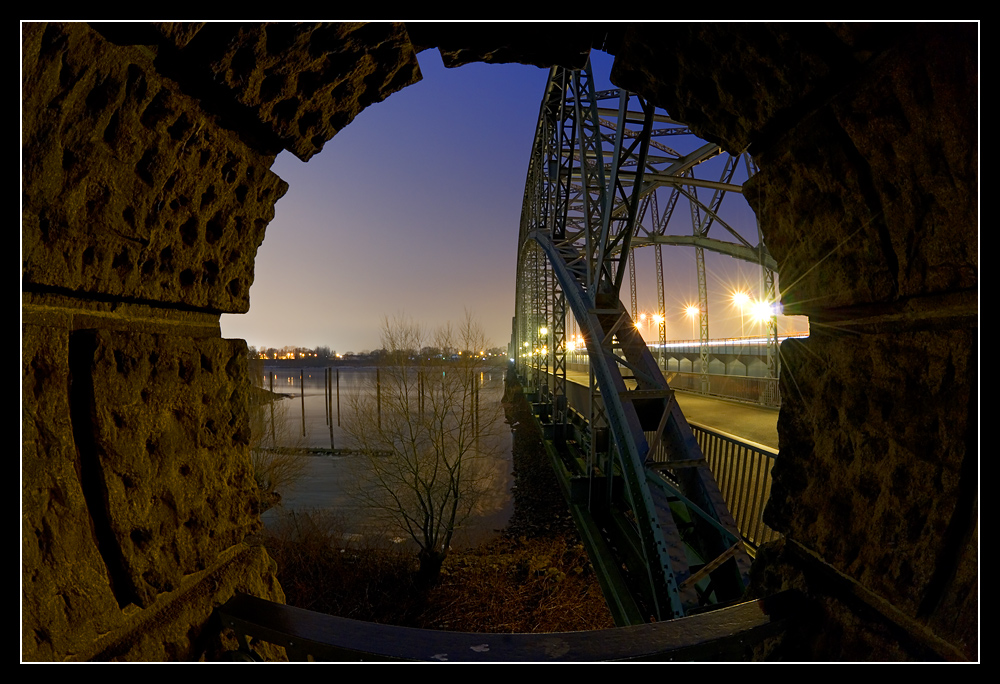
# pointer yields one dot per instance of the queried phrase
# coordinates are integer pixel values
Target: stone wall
(146, 193)
(867, 195)
(147, 189)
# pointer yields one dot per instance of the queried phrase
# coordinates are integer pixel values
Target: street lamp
(761, 311)
(692, 311)
(740, 299)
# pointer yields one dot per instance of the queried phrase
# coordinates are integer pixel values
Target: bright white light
(761, 311)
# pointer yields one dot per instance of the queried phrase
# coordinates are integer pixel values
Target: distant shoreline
(288, 364)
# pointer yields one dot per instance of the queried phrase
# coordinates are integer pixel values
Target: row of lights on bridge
(760, 311)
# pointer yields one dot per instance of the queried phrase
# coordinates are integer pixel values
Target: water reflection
(314, 410)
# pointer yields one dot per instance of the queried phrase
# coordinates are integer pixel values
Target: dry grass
(504, 586)
(518, 586)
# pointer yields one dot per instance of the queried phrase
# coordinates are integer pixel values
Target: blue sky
(413, 210)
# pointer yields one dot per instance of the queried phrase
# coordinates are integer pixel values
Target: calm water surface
(326, 485)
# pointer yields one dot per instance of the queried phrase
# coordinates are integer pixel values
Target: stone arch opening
(845, 119)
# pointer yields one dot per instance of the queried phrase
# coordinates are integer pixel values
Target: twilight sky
(413, 210)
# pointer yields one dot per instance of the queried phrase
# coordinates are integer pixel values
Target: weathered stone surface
(64, 581)
(129, 189)
(145, 196)
(829, 240)
(170, 443)
(179, 34)
(304, 81)
(836, 620)
(884, 206)
(181, 625)
(730, 82)
(538, 44)
(876, 479)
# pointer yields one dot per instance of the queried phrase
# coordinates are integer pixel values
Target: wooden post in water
(271, 373)
(338, 397)
(302, 395)
(326, 394)
(329, 405)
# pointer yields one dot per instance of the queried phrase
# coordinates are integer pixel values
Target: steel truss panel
(579, 219)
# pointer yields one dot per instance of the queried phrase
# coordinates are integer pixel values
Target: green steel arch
(662, 538)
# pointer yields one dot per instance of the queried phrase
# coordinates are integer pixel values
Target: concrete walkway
(753, 423)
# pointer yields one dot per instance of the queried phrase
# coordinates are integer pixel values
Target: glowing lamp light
(761, 310)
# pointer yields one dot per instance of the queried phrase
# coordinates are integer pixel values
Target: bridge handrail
(719, 635)
(743, 471)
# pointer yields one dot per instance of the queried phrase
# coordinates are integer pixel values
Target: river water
(307, 418)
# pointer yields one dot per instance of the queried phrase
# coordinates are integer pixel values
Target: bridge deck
(753, 423)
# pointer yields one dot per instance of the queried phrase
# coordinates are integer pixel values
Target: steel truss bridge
(668, 553)
(602, 183)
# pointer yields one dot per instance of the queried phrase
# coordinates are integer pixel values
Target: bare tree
(429, 445)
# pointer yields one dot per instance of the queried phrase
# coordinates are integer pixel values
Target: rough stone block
(304, 81)
(180, 625)
(874, 199)
(729, 81)
(819, 223)
(877, 464)
(539, 44)
(169, 440)
(130, 190)
(66, 598)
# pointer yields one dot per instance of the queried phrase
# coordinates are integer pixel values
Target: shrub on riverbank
(534, 578)
(506, 585)
(323, 569)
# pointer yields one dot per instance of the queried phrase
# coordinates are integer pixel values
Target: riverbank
(533, 577)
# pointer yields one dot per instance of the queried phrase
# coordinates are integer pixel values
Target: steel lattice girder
(580, 251)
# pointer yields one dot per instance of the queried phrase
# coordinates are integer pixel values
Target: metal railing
(720, 635)
(751, 389)
(742, 470)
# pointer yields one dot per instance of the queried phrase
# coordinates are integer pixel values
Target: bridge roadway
(748, 422)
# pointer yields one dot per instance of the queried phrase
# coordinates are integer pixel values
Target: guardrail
(742, 470)
(724, 634)
(754, 390)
